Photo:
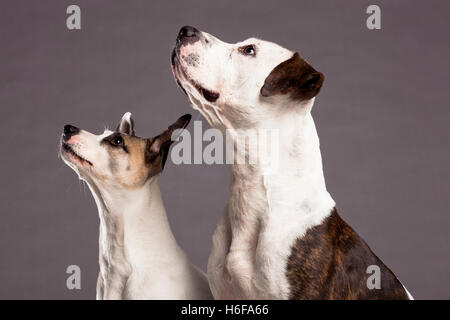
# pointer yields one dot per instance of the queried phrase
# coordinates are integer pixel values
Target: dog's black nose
(188, 32)
(70, 131)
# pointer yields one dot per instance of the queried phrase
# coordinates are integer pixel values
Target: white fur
(139, 256)
(265, 213)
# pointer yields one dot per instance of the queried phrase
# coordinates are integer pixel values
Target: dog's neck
(134, 229)
(296, 190)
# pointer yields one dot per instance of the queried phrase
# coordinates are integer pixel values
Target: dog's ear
(126, 125)
(158, 147)
(294, 77)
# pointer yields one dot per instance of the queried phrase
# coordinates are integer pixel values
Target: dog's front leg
(231, 268)
(112, 285)
(219, 280)
(99, 292)
(113, 292)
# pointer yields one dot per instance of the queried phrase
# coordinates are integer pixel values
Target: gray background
(382, 116)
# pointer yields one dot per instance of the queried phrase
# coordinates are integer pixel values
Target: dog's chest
(326, 260)
(255, 263)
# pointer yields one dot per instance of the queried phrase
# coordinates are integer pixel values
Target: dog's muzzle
(189, 35)
(186, 35)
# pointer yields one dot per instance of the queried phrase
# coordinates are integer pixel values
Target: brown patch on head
(133, 160)
(129, 167)
(330, 262)
(294, 77)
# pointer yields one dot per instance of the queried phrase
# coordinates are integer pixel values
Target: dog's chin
(180, 74)
(71, 156)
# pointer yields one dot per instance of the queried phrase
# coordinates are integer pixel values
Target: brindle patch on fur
(330, 262)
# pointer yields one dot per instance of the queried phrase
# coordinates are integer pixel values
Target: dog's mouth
(68, 150)
(179, 72)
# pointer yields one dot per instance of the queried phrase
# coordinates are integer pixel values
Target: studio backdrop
(382, 117)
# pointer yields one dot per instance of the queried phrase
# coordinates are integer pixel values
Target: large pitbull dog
(280, 236)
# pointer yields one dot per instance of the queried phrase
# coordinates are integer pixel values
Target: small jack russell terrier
(138, 254)
(280, 236)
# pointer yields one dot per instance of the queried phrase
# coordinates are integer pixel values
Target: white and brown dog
(281, 236)
(139, 256)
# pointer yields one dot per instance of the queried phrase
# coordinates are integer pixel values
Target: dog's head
(118, 158)
(236, 85)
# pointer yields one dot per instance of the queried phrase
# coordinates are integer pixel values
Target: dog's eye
(117, 141)
(248, 50)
